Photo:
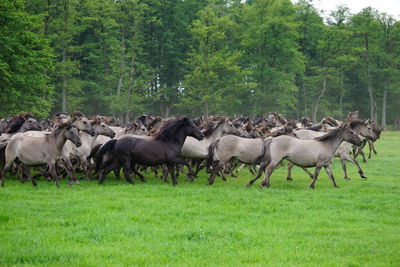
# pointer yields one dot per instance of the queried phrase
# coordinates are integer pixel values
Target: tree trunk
(132, 73)
(384, 102)
(206, 109)
(341, 95)
(317, 102)
(122, 58)
(167, 110)
(372, 103)
(64, 87)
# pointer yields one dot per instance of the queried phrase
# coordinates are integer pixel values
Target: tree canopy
(195, 58)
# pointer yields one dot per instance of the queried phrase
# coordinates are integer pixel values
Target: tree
(25, 60)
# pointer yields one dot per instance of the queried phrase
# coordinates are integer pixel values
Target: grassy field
(196, 225)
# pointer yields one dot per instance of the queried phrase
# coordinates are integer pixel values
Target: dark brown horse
(163, 148)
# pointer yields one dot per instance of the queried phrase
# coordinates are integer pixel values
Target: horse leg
(315, 177)
(136, 172)
(260, 172)
(28, 173)
(373, 148)
(84, 166)
(7, 166)
(344, 167)
(289, 171)
(328, 170)
(70, 170)
(171, 168)
(268, 171)
(107, 169)
(117, 172)
(53, 171)
(126, 167)
(355, 162)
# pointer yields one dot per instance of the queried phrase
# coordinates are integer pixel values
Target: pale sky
(391, 7)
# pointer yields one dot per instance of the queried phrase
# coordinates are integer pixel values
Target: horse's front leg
(315, 177)
(328, 170)
(70, 170)
(184, 162)
(53, 171)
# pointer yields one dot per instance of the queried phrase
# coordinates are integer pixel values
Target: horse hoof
(336, 186)
(264, 185)
(347, 178)
(289, 179)
(248, 185)
(312, 187)
(363, 176)
(77, 182)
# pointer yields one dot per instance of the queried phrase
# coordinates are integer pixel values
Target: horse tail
(106, 148)
(211, 151)
(265, 152)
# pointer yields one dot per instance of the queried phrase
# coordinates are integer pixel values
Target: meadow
(193, 224)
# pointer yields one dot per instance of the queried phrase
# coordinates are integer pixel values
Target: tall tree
(25, 60)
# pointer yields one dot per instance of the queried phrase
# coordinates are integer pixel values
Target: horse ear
(185, 119)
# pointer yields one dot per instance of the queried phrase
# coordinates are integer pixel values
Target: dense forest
(192, 57)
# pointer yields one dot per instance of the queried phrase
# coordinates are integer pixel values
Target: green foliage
(25, 61)
(197, 57)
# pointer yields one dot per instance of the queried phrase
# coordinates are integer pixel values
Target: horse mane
(355, 123)
(315, 128)
(329, 135)
(168, 133)
(330, 121)
(17, 121)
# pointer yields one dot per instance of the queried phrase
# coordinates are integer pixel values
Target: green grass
(194, 224)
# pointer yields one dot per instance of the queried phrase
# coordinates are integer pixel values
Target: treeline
(197, 57)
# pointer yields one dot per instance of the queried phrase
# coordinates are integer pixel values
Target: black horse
(163, 148)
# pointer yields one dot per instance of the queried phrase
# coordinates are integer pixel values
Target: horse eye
(102, 126)
(84, 122)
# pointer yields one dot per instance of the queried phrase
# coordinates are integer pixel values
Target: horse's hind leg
(171, 168)
(316, 173)
(126, 168)
(289, 171)
(31, 178)
(328, 170)
(344, 167)
(136, 172)
(268, 171)
(260, 172)
(107, 169)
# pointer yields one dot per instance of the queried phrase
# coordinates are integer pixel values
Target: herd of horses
(95, 146)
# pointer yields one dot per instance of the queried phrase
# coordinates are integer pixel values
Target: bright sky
(391, 7)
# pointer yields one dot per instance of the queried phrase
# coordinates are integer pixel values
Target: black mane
(355, 123)
(168, 133)
(330, 135)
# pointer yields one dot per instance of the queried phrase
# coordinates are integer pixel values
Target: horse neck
(335, 142)
(87, 137)
(59, 138)
(180, 138)
(218, 132)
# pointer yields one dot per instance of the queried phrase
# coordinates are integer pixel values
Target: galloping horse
(162, 148)
(317, 153)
